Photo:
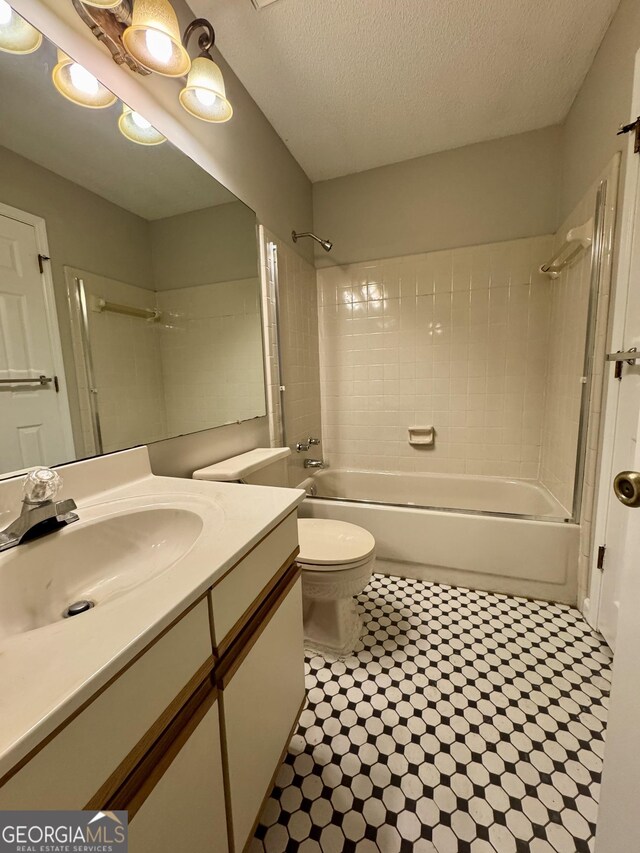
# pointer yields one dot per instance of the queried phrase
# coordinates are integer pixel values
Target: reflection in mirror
(129, 290)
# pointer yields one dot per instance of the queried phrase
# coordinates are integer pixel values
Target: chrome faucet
(314, 463)
(39, 508)
(303, 446)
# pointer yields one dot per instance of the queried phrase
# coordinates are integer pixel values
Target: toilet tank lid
(239, 467)
(327, 542)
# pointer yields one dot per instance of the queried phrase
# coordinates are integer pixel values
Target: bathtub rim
(310, 481)
(551, 519)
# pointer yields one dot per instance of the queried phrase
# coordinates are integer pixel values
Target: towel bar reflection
(39, 380)
(151, 314)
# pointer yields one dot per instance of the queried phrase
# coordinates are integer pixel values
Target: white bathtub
(457, 529)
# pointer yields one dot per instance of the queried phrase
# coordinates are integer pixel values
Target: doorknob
(627, 488)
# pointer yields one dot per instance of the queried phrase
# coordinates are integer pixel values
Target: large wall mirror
(129, 282)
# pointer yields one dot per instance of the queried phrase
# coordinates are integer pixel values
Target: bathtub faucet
(314, 463)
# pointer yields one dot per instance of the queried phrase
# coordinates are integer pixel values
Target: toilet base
(331, 627)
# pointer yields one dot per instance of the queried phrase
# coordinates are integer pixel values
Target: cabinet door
(261, 702)
(185, 810)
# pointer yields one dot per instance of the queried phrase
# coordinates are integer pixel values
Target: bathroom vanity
(175, 696)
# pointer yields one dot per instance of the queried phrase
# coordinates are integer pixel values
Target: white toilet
(336, 557)
(337, 562)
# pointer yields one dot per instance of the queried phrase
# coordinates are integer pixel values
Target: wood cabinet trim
(36, 749)
(145, 776)
(255, 606)
(148, 740)
(230, 663)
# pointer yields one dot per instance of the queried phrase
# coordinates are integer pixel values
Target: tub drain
(78, 607)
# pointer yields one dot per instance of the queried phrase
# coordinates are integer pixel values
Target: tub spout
(314, 463)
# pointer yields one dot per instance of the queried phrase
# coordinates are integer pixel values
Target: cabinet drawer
(261, 700)
(236, 597)
(68, 771)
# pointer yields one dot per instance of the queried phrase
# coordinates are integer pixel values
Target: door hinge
(600, 561)
(41, 260)
(634, 127)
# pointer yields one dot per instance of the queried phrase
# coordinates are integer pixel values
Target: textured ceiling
(354, 84)
(86, 147)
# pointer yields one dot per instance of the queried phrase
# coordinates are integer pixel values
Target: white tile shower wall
(457, 339)
(211, 338)
(300, 360)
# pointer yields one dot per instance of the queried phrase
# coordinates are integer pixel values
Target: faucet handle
(41, 485)
(314, 441)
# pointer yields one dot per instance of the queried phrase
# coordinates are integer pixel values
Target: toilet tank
(265, 466)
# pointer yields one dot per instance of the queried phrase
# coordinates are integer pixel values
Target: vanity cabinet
(89, 757)
(185, 809)
(261, 697)
(189, 735)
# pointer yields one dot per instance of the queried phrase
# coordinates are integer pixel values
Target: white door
(625, 392)
(618, 815)
(34, 418)
(618, 614)
(623, 403)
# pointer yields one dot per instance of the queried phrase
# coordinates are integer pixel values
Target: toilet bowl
(336, 557)
(337, 560)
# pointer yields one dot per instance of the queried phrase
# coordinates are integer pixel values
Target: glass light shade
(16, 34)
(103, 4)
(138, 129)
(80, 86)
(204, 95)
(153, 38)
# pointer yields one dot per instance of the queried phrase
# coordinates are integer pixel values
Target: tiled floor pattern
(464, 722)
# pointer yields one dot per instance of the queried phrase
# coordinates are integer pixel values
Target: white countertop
(47, 673)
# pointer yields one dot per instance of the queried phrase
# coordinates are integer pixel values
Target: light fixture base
(107, 25)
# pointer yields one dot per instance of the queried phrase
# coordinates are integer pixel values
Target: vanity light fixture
(153, 38)
(204, 94)
(137, 129)
(16, 34)
(144, 35)
(79, 85)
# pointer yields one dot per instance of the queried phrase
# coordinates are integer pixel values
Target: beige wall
(204, 246)
(499, 190)
(589, 138)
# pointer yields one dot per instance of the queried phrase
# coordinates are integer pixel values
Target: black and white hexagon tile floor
(464, 721)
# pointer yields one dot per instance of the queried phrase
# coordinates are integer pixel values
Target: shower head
(327, 245)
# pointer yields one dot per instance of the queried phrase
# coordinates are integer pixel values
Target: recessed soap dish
(422, 436)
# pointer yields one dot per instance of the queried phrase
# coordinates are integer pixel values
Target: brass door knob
(627, 488)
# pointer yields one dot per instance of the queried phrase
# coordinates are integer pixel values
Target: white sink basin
(99, 558)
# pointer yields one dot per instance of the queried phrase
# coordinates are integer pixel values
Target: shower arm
(327, 245)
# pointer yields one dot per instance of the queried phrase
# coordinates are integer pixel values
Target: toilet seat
(332, 546)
